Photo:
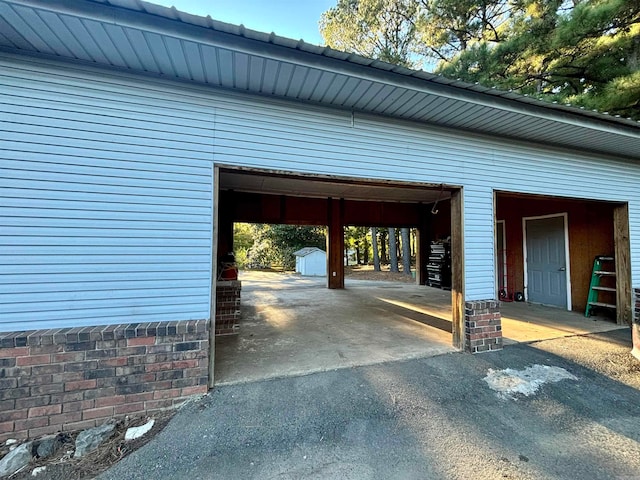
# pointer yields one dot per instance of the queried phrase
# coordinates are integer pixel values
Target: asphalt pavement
(430, 418)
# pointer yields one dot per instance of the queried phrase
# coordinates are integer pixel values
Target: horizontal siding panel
(21, 142)
(82, 291)
(28, 213)
(123, 161)
(145, 267)
(83, 223)
(97, 277)
(129, 198)
(23, 203)
(62, 233)
(114, 243)
(121, 180)
(105, 204)
(138, 131)
(101, 316)
(203, 126)
(70, 306)
(110, 191)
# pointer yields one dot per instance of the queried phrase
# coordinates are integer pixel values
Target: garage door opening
(545, 253)
(291, 323)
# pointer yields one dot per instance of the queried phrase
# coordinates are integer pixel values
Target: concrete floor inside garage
(294, 325)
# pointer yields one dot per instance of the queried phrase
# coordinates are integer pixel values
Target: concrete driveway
(430, 418)
(293, 325)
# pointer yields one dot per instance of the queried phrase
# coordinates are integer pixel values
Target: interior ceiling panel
(152, 39)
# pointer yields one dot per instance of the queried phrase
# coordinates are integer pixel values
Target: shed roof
(152, 40)
(303, 252)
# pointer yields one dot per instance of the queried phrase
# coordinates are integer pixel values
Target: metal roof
(145, 38)
(303, 252)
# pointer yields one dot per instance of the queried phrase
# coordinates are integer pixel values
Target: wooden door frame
(622, 249)
(457, 268)
(215, 213)
(565, 218)
(504, 255)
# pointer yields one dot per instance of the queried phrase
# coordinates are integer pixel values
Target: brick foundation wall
(482, 326)
(70, 379)
(227, 307)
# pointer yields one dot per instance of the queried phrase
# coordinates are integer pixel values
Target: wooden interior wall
(441, 221)
(590, 234)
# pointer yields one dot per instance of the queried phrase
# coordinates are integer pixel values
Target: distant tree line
(262, 246)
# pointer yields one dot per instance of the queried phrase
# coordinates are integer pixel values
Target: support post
(422, 246)
(335, 244)
(457, 269)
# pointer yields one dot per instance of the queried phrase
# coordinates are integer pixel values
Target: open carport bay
(293, 325)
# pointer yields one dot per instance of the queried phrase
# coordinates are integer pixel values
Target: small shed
(311, 262)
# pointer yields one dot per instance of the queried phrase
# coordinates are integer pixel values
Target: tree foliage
(261, 246)
(582, 52)
(382, 29)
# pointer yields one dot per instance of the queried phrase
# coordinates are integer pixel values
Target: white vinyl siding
(105, 206)
(106, 185)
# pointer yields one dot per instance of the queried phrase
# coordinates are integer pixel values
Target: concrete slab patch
(509, 382)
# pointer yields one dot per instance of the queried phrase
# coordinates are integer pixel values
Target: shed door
(546, 261)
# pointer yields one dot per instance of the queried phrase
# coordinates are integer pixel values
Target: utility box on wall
(311, 262)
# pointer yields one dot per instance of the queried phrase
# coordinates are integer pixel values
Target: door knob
(562, 269)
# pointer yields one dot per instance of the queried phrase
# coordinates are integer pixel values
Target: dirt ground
(366, 272)
(61, 465)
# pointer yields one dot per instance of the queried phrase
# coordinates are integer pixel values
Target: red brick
(181, 364)
(135, 342)
(65, 418)
(44, 411)
(195, 390)
(80, 385)
(113, 362)
(129, 408)
(15, 435)
(170, 393)
(31, 423)
(37, 350)
(67, 397)
(162, 385)
(97, 413)
(33, 360)
(38, 432)
(139, 397)
(99, 393)
(35, 380)
(69, 427)
(30, 402)
(13, 415)
(14, 352)
(6, 427)
(46, 389)
(158, 404)
(110, 401)
(156, 367)
(68, 357)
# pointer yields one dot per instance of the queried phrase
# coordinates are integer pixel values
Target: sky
(297, 19)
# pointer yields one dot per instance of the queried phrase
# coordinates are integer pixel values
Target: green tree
(581, 52)
(376, 251)
(586, 55)
(382, 29)
(393, 250)
(406, 251)
(275, 244)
